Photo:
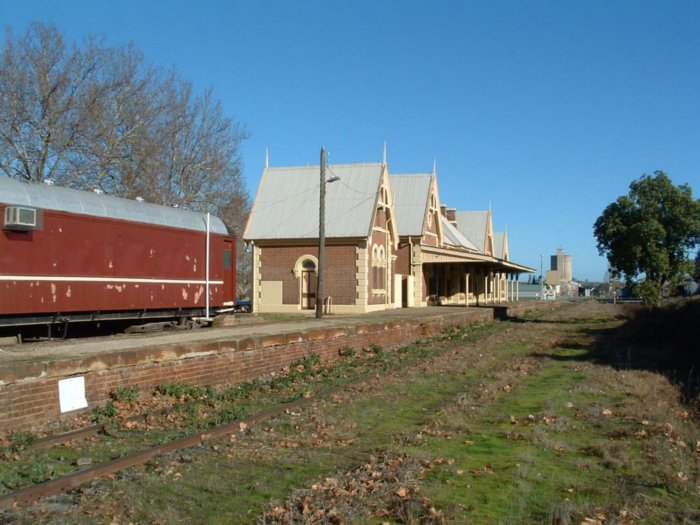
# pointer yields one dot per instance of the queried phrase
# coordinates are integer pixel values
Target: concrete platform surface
(59, 350)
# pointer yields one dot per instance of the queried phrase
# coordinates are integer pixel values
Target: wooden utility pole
(321, 237)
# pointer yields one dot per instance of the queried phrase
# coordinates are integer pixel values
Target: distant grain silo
(563, 264)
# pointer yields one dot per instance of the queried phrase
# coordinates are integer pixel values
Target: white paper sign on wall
(71, 393)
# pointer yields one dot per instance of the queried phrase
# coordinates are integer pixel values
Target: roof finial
(267, 158)
(384, 157)
(434, 165)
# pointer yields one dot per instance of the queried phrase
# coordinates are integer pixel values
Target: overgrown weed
(530, 430)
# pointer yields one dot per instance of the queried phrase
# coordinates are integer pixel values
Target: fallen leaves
(483, 470)
(531, 419)
(549, 420)
(437, 433)
(287, 444)
(600, 519)
(623, 518)
(382, 487)
(403, 492)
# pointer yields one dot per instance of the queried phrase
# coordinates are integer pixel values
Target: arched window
(305, 263)
(378, 267)
(382, 268)
(375, 263)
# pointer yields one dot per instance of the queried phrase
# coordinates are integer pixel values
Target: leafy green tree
(649, 232)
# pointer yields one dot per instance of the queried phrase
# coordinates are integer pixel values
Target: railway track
(74, 479)
(71, 480)
(326, 388)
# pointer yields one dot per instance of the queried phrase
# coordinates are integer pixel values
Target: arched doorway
(308, 285)
(306, 271)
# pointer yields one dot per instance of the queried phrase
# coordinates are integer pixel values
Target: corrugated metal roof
(17, 193)
(454, 237)
(498, 239)
(287, 203)
(410, 201)
(473, 225)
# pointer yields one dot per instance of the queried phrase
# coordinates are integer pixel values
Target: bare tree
(42, 115)
(98, 116)
(199, 163)
(122, 110)
(92, 116)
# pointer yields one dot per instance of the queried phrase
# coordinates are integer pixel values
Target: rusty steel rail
(47, 488)
(32, 493)
(82, 433)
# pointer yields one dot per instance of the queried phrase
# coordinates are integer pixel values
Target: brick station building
(390, 243)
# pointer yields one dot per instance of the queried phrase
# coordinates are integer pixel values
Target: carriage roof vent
(19, 218)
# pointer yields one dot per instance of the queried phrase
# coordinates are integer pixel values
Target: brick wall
(29, 392)
(339, 281)
(403, 259)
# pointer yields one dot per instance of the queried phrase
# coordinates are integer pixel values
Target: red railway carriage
(72, 255)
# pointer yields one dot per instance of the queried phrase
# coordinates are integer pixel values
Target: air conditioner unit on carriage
(18, 218)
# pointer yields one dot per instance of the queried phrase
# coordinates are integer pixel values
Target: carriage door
(308, 285)
(229, 271)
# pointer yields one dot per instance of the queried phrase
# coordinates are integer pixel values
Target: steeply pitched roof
(287, 203)
(16, 193)
(473, 224)
(500, 241)
(454, 237)
(410, 201)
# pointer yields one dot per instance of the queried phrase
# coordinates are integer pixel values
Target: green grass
(224, 491)
(198, 408)
(506, 471)
(558, 458)
(529, 427)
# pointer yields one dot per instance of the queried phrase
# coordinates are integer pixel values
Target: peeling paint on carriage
(103, 264)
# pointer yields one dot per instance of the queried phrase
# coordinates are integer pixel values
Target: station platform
(248, 326)
(31, 374)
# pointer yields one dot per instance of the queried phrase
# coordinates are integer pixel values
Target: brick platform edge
(29, 392)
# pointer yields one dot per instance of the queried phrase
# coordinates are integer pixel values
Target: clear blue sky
(545, 109)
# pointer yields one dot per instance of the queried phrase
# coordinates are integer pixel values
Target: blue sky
(547, 110)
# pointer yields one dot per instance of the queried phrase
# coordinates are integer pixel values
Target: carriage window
(227, 259)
